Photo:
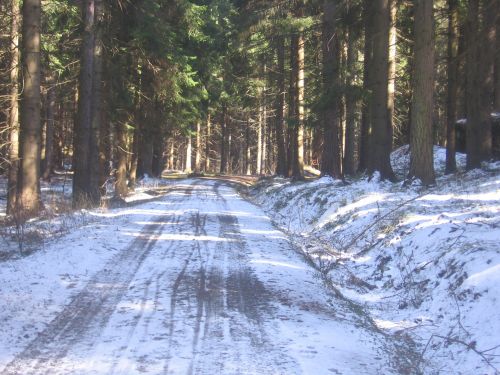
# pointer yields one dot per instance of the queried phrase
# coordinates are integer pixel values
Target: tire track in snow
(241, 300)
(196, 294)
(120, 356)
(198, 224)
(89, 310)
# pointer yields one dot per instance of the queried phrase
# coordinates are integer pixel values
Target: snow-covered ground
(58, 217)
(198, 281)
(201, 281)
(423, 263)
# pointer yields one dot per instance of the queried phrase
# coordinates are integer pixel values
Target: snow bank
(424, 262)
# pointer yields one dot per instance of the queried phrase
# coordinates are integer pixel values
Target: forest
(118, 90)
(249, 187)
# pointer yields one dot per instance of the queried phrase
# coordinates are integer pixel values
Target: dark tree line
(118, 90)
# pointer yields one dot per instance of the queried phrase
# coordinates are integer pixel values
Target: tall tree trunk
(172, 154)
(134, 157)
(120, 138)
(223, 146)
(281, 168)
(189, 154)
(259, 142)
(479, 83)
(263, 167)
(97, 106)
(381, 141)
(366, 130)
(121, 165)
(421, 135)
(83, 125)
(248, 155)
(49, 132)
(30, 127)
(331, 155)
(12, 185)
(105, 154)
(472, 91)
(229, 151)
(496, 104)
(392, 62)
(452, 87)
(350, 104)
(292, 106)
(105, 144)
(208, 142)
(298, 165)
(197, 158)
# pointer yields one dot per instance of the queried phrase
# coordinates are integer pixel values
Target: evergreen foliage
(220, 79)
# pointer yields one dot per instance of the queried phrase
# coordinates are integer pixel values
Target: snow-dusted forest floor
(197, 281)
(424, 263)
(320, 277)
(58, 218)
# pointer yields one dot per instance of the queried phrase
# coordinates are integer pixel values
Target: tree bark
(30, 127)
(12, 185)
(121, 167)
(134, 157)
(421, 135)
(452, 87)
(479, 83)
(197, 158)
(298, 165)
(472, 91)
(208, 143)
(189, 154)
(331, 155)
(349, 167)
(48, 165)
(97, 106)
(392, 62)
(248, 155)
(223, 146)
(106, 143)
(292, 107)
(281, 168)
(496, 104)
(381, 141)
(229, 150)
(83, 124)
(366, 130)
(265, 135)
(259, 141)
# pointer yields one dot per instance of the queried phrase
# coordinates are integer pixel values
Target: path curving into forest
(209, 286)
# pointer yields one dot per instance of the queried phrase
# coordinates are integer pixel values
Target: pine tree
(381, 125)
(331, 159)
(14, 110)
(281, 164)
(497, 61)
(366, 133)
(83, 125)
(30, 125)
(421, 139)
(452, 85)
(480, 32)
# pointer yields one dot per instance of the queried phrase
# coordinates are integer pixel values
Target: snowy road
(205, 285)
